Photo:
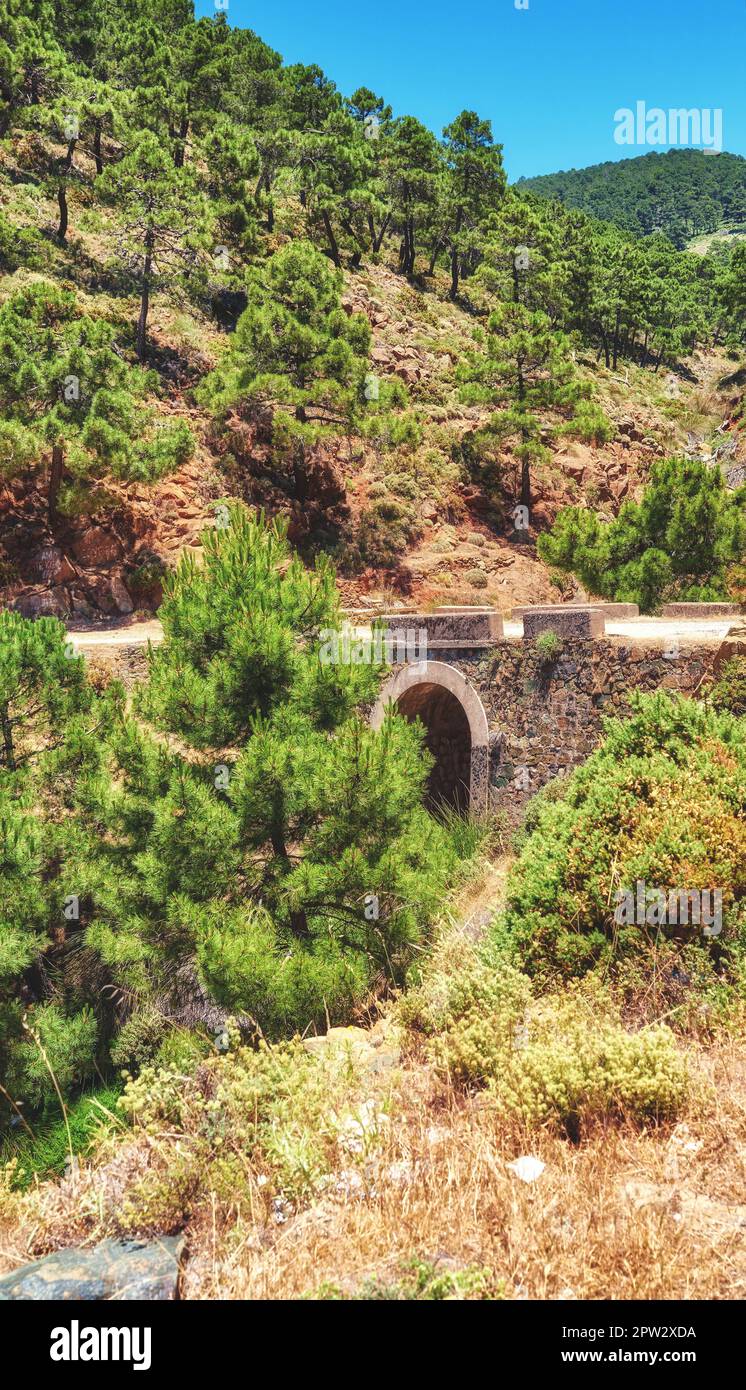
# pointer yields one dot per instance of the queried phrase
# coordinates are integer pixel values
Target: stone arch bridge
(502, 717)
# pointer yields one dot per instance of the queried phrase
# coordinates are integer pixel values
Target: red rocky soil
(463, 548)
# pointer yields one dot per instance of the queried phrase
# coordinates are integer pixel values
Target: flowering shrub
(562, 1059)
(661, 801)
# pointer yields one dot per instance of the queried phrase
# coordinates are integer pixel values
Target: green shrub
(662, 802)
(147, 574)
(677, 542)
(728, 692)
(287, 1110)
(423, 1281)
(57, 1047)
(574, 1062)
(549, 647)
(563, 1058)
(589, 423)
(48, 1151)
(21, 246)
(403, 485)
(137, 1041)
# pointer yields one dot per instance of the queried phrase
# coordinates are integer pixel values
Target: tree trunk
(333, 247)
(404, 251)
(142, 322)
(455, 259)
(378, 241)
(62, 201)
(270, 204)
(526, 484)
(299, 923)
(298, 918)
(97, 148)
(525, 462)
(454, 273)
(180, 146)
(55, 481)
(6, 728)
(615, 350)
(411, 247)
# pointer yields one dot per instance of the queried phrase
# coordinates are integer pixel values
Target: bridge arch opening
(447, 737)
(456, 731)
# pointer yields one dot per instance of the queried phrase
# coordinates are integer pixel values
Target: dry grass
(626, 1214)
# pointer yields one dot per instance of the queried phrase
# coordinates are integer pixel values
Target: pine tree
(202, 68)
(731, 292)
(334, 171)
(33, 66)
(527, 369)
(68, 396)
(411, 164)
(165, 221)
(474, 188)
(232, 163)
(50, 759)
(296, 348)
(290, 861)
(676, 543)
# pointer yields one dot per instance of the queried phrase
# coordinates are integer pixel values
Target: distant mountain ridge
(683, 192)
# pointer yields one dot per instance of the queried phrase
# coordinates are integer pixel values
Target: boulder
(43, 603)
(47, 565)
(119, 593)
(732, 645)
(582, 623)
(97, 547)
(114, 1270)
(701, 610)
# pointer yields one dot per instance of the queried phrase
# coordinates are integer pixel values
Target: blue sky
(549, 77)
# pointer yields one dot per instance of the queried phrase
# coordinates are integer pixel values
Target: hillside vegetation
(266, 348)
(223, 278)
(683, 193)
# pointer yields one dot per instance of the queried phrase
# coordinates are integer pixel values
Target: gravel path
(666, 631)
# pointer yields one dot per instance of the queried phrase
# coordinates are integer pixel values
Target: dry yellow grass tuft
(626, 1214)
(325, 1171)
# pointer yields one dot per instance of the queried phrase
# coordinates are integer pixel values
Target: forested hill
(222, 277)
(683, 193)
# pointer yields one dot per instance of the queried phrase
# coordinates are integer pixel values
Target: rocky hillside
(420, 508)
(437, 530)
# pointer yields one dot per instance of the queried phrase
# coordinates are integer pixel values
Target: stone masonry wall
(128, 664)
(545, 720)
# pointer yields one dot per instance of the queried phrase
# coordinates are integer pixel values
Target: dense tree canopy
(676, 543)
(70, 398)
(680, 193)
